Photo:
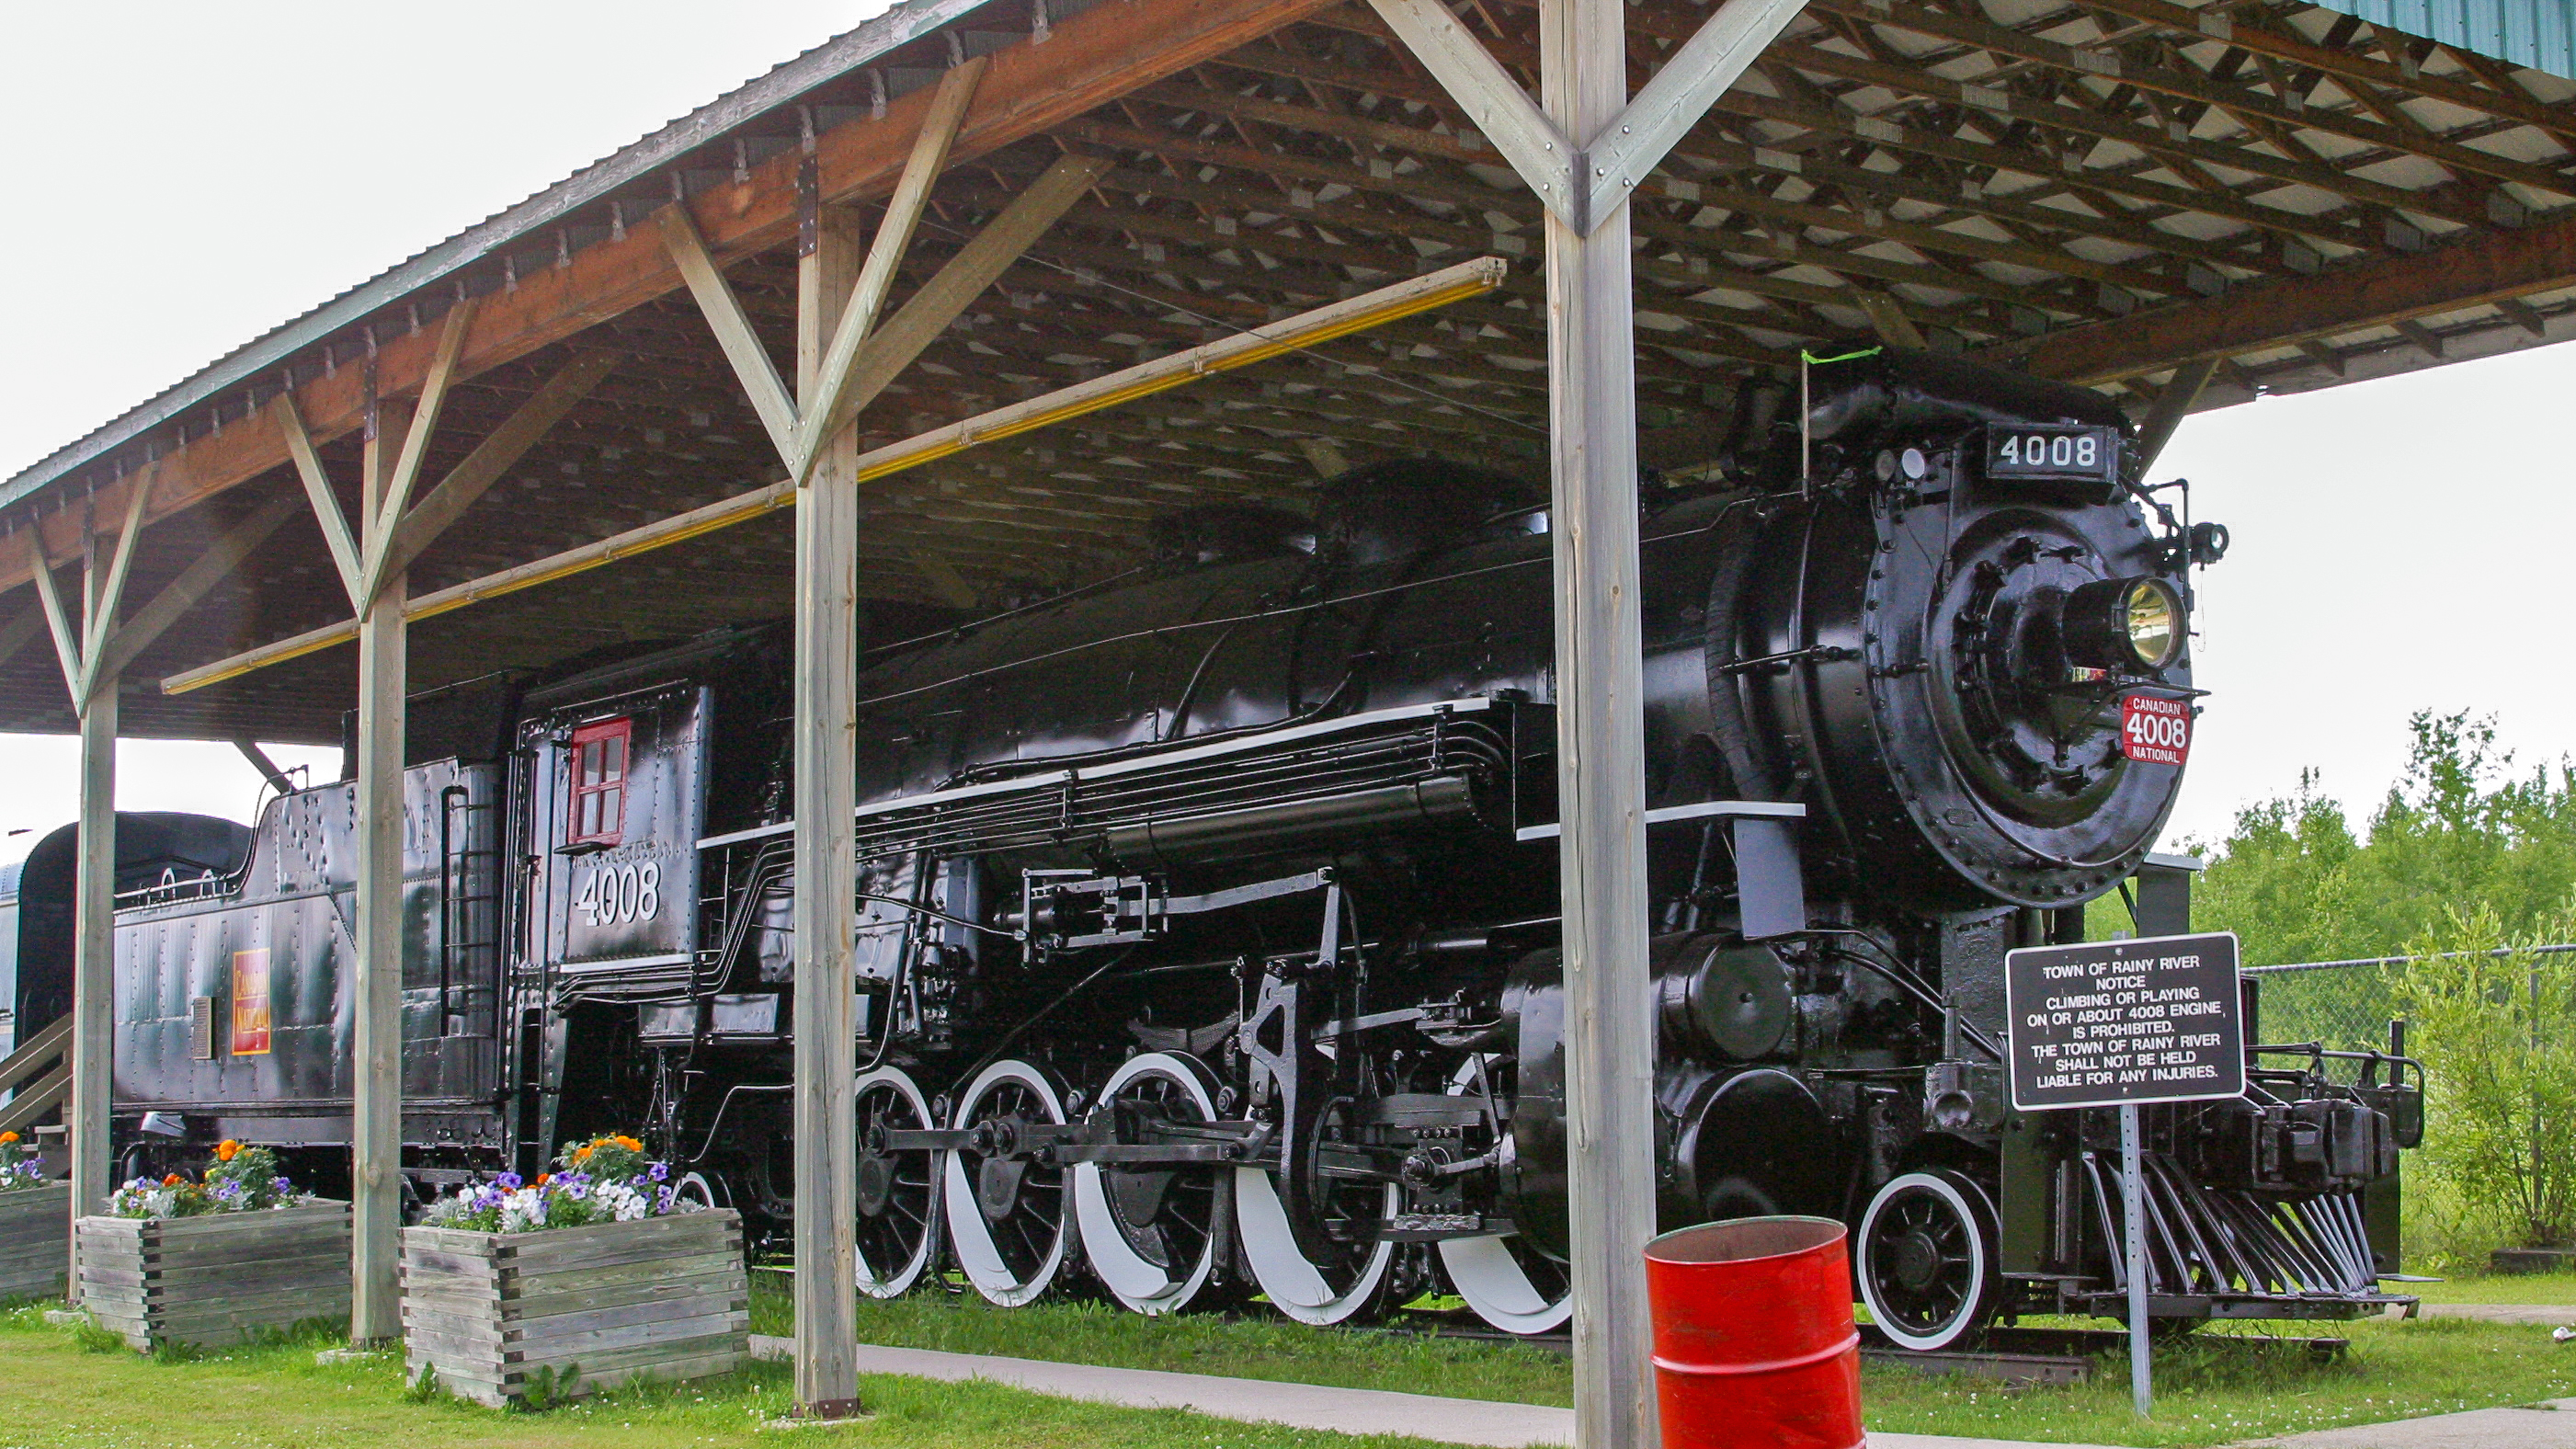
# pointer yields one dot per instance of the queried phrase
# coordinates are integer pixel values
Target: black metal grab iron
(1207, 920)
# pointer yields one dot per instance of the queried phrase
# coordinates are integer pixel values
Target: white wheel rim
(872, 1281)
(694, 1187)
(1947, 1333)
(1281, 1268)
(1488, 1276)
(967, 1231)
(1132, 1278)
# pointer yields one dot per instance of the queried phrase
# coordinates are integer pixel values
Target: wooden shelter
(984, 287)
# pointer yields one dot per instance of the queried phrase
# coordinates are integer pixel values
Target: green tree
(2496, 1027)
(2461, 830)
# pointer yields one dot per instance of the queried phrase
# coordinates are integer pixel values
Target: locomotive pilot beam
(1364, 620)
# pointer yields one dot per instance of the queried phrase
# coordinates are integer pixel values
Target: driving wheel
(1004, 1201)
(1151, 1230)
(897, 1188)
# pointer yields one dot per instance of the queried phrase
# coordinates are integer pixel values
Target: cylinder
(1754, 1342)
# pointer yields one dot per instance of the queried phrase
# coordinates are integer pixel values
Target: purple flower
(509, 1182)
(668, 1194)
(280, 1184)
(657, 1172)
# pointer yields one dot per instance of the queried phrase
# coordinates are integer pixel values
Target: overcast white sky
(188, 176)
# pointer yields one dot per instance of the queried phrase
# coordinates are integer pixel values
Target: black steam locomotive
(1209, 910)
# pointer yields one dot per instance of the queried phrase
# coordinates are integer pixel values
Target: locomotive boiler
(1209, 910)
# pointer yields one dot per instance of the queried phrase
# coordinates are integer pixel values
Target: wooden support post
(94, 958)
(80, 645)
(1601, 752)
(373, 559)
(375, 1037)
(827, 883)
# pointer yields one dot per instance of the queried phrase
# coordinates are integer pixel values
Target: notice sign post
(2122, 1024)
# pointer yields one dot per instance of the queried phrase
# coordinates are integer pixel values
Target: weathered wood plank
(214, 1279)
(35, 1241)
(662, 1297)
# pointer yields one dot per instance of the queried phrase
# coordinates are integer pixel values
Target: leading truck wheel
(1926, 1259)
(898, 1189)
(1151, 1230)
(1005, 1204)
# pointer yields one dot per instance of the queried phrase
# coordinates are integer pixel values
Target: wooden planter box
(661, 1298)
(35, 1241)
(216, 1279)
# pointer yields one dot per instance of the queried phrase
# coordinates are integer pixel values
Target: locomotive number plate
(2090, 455)
(2155, 731)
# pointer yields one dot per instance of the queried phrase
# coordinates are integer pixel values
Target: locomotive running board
(1674, 814)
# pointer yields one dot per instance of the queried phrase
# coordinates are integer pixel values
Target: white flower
(623, 1202)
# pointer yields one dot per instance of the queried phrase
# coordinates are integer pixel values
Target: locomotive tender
(1209, 910)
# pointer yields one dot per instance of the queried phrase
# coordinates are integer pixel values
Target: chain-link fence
(2340, 1005)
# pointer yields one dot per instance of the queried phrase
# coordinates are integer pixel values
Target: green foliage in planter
(20, 1167)
(240, 1179)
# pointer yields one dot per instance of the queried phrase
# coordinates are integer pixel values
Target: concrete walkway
(2547, 1315)
(1480, 1422)
(2549, 1426)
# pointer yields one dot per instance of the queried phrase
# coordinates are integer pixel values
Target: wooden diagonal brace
(732, 326)
(1584, 185)
(1693, 76)
(66, 639)
(424, 421)
(914, 326)
(105, 594)
(194, 582)
(495, 455)
(1547, 161)
(317, 489)
(876, 275)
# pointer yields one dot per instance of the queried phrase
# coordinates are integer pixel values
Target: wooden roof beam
(2233, 29)
(1087, 59)
(2483, 270)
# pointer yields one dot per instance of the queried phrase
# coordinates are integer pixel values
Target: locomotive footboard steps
(35, 1241)
(222, 1278)
(575, 1309)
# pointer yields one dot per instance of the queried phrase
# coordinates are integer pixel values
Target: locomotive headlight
(2124, 625)
(2151, 612)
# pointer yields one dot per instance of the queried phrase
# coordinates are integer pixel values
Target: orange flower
(629, 1143)
(8, 1137)
(173, 1180)
(227, 1150)
(580, 1154)
(544, 1177)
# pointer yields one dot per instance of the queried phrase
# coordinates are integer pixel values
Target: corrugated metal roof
(908, 20)
(2540, 34)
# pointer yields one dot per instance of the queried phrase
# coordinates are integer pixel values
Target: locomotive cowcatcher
(1209, 908)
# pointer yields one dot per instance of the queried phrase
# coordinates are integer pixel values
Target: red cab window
(599, 780)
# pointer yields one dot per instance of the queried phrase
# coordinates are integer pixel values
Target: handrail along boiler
(1208, 921)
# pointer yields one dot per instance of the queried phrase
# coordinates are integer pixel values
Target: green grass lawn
(2540, 1289)
(54, 1394)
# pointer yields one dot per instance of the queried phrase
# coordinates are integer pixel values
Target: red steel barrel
(1754, 1342)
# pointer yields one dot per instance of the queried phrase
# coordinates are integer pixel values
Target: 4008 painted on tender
(1209, 910)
